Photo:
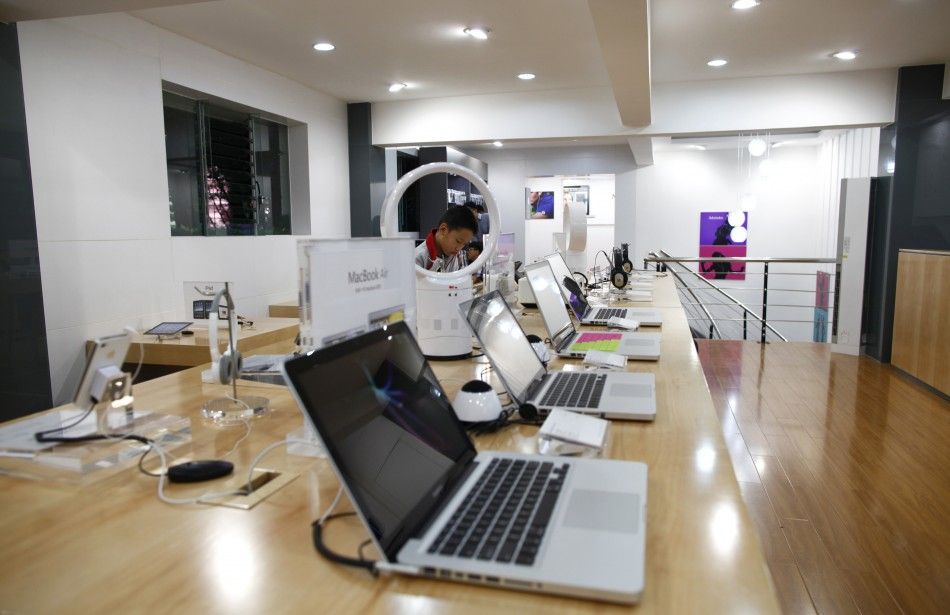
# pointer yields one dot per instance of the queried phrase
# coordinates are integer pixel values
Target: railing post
(765, 299)
(745, 324)
(834, 322)
(710, 331)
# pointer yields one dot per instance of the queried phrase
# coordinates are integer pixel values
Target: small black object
(200, 470)
(618, 273)
(187, 332)
(532, 338)
(528, 412)
(476, 386)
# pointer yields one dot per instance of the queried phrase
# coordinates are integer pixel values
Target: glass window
(228, 172)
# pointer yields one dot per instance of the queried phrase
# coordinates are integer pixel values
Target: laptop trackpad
(603, 510)
(621, 389)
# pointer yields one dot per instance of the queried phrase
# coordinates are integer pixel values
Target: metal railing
(737, 296)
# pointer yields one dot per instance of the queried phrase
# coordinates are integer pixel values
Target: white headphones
(228, 365)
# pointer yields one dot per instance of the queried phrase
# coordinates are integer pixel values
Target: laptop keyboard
(505, 515)
(574, 390)
(607, 313)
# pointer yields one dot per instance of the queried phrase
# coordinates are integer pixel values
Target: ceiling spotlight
(479, 33)
(497, 143)
(700, 148)
(324, 46)
(847, 56)
(396, 87)
(526, 76)
(742, 5)
(757, 147)
(717, 63)
(738, 234)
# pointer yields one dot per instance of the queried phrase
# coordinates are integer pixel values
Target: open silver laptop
(591, 314)
(436, 508)
(568, 341)
(612, 395)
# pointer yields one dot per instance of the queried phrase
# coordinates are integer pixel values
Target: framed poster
(579, 195)
(540, 205)
(723, 234)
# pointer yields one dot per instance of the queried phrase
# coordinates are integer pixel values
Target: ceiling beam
(642, 149)
(25, 10)
(623, 31)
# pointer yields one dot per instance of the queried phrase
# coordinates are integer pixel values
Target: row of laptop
(613, 395)
(435, 507)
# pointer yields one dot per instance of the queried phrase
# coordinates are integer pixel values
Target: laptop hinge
(536, 386)
(446, 496)
(563, 337)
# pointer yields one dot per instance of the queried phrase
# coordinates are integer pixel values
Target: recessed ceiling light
(697, 147)
(845, 55)
(479, 33)
(324, 46)
(717, 63)
(395, 87)
(497, 143)
(526, 76)
(741, 5)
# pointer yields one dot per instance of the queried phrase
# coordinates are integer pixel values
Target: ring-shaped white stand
(441, 332)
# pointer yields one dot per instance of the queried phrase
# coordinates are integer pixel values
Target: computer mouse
(199, 470)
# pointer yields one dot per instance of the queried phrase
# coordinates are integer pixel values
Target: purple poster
(723, 234)
(540, 205)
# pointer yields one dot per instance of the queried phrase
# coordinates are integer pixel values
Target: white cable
(329, 511)
(269, 448)
(179, 501)
(138, 368)
(247, 425)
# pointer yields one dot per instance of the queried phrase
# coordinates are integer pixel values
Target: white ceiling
(784, 37)
(419, 42)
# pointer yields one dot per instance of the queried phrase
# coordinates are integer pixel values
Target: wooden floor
(844, 464)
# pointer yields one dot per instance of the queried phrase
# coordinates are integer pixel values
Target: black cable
(336, 558)
(62, 428)
(142, 468)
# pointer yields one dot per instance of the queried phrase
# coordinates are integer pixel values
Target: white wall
(844, 154)
(92, 89)
(509, 170)
(840, 99)
(539, 234)
(680, 184)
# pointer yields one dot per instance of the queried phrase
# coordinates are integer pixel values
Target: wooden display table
(113, 545)
(191, 350)
(285, 309)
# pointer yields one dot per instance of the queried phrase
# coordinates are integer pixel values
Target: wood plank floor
(844, 465)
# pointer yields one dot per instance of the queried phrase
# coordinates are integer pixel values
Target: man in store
(442, 249)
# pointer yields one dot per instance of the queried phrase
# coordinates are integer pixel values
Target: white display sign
(350, 286)
(198, 298)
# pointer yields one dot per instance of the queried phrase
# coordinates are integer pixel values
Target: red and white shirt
(427, 256)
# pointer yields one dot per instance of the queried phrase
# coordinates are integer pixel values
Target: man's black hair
(459, 218)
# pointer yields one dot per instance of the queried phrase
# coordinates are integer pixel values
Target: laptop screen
(548, 295)
(388, 426)
(561, 271)
(504, 342)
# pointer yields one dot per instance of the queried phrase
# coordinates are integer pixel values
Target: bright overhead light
(757, 147)
(497, 143)
(396, 87)
(742, 5)
(479, 33)
(697, 147)
(526, 76)
(324, 46)
(847, 55)
(717, 63)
